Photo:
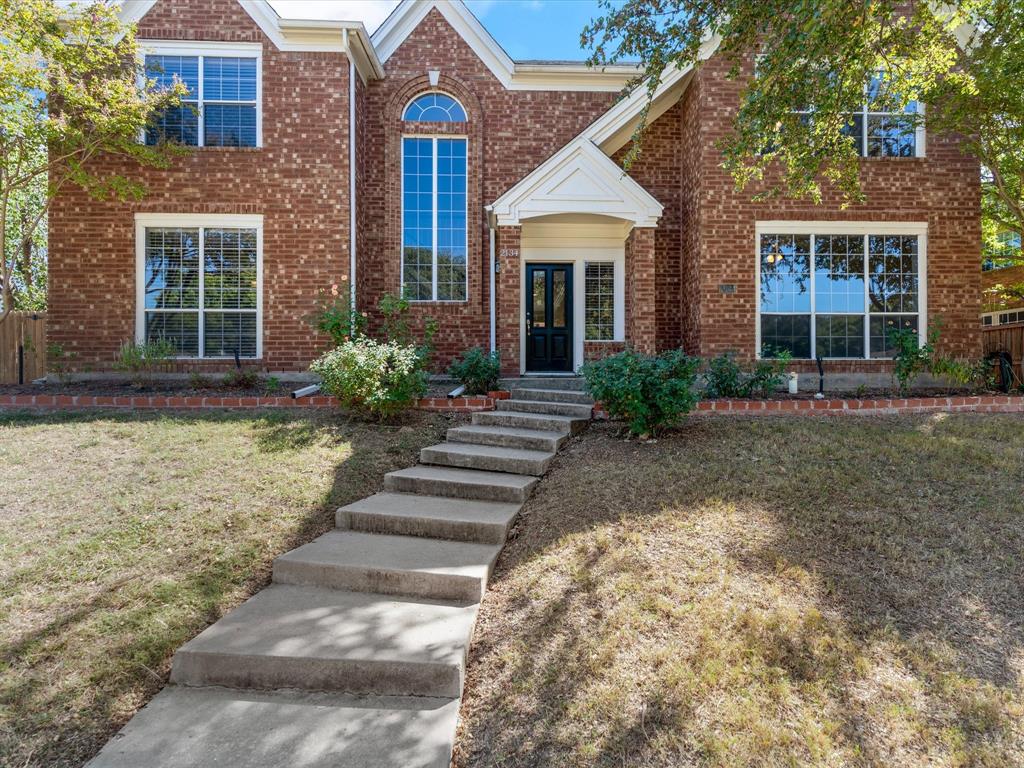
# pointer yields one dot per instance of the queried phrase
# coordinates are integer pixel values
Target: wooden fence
(22, 347)
(1008, 339)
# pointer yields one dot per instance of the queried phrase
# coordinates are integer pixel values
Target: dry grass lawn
(123, 535)
(762, 592)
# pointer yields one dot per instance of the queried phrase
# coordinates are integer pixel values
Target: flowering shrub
(334, 316)
(382, 378)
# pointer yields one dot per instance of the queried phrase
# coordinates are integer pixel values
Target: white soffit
(524, 76)
(582, 180)
(293, 34)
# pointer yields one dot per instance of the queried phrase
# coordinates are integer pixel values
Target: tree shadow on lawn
(762, 592)
(100, 647)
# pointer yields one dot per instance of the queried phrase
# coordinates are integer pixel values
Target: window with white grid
(221, 108)
(599, 300)
(200, 289)
(434, 235)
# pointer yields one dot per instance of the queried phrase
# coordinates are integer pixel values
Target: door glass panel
(538, 299)
(558, 298)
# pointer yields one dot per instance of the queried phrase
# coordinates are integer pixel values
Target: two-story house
(424, 160)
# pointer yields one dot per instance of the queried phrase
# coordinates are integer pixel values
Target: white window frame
(429, 93)
(864, 229)
(401, 268)
(202, 221)
(217, 50)
(615, 295)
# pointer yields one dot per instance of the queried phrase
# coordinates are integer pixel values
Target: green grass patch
(125, 534)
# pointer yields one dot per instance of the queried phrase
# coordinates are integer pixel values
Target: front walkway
(355, 655)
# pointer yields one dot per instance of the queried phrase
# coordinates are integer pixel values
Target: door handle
(529, 322)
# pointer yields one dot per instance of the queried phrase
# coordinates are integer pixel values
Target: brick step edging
(884, 406)
(58, 402)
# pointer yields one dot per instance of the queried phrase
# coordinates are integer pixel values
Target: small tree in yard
(71, 89)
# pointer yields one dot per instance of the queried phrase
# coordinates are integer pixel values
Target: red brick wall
(510, 133)
(942, 189)
(641, 290)
(298, 180)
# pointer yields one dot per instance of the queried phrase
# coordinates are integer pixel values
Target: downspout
(493, 303)
(351, 173)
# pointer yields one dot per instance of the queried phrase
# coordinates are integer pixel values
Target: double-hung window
(839, 291)
(199, 284)
(222, 106)
(434, 251)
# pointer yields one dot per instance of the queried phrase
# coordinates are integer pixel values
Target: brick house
(491, 191)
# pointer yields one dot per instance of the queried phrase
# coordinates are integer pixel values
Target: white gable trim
(581, 180)
(512, 75)
(293, 34)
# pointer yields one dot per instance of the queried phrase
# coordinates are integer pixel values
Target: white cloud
(371, 12)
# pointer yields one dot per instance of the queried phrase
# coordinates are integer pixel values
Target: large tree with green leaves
(72, 89)
(815, 58)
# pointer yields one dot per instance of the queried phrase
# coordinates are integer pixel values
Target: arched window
(435, 108)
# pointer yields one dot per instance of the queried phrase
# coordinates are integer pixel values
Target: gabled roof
(603, 137)
(575, 76)
(584, 180)
(294, 34)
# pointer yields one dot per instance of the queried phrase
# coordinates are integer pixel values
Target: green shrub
(396, 329)
(913, 359)
(769, 373)
(649, 392)
(334, 316)
(382, 378)
(142, 360)
(478, 371)
(724, 377)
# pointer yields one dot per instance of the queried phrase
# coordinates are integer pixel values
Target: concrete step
(390, 565)
(492, 458)
(520, 420)
(407, 514)
(309, 638)
(553, 396)
(508, 437)
(460, 483)
(539, 406)
(188, 727)
(577, 383)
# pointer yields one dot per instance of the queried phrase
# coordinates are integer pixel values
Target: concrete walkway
(355, 655)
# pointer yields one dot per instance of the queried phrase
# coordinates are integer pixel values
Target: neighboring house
(492, 192)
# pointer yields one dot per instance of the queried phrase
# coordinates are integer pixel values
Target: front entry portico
(579, 212)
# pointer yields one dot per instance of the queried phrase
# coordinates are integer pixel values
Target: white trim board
(239, 221)
(864, 228)
(579, 180)
(512, 75)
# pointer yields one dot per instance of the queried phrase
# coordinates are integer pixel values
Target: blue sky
(527, 29)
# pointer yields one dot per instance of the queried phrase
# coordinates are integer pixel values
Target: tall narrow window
(200, 290)
(837, 295)
(222, 104)
(599, 301)
(434, 250)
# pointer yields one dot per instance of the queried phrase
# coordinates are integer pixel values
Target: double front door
(549, 317)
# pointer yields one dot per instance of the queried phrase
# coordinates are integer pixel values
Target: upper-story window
(222, 107)
(435, 108)
(878, 132)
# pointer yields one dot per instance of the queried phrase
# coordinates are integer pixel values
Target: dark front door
(549, 317)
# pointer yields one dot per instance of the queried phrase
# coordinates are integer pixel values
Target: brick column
(507, 322)
(641, 320)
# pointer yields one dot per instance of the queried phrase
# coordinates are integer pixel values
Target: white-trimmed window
(838, 290)
(223, 104)
(434, 234)
(599, 300)
(199, 283)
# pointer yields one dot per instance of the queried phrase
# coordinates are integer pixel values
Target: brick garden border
(976, 403)
(58, 402)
